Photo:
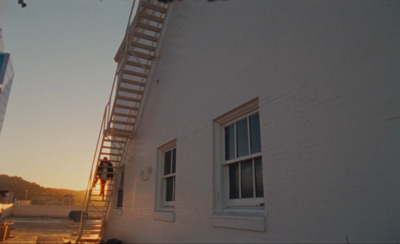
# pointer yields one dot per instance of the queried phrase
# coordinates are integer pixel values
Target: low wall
(5, 210)
(43, 211)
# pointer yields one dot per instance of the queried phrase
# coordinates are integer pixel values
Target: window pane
(122, 179)
(242, 138)
(229, 142)
(259, 177)
(173, 160)
(169, 189)
(167, 163)
(246, 169)
(255, 141)
(234, 181)
(120, 198)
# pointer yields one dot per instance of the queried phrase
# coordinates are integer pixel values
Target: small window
(120, 189)
(166, 176)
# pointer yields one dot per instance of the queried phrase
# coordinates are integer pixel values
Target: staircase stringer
(154, 65)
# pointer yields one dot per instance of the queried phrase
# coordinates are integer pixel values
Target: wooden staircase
(135, 57)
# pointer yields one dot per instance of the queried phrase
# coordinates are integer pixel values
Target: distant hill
(35, 192)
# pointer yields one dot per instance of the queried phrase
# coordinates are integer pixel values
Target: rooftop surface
(29, 229)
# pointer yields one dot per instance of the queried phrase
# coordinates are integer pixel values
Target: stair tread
(115, 140)
(129, 90)
(128, 99)
(132, 82)
(151, 17)
(115, 134)
(154, 7)
(109, 142)
(143, 46)
(118, 132)
(124, 115)
(125, 107)
(134, 73)
(148, 27)
(142, 55)
(137, 64)
(112, 148)
(111, 154)
(122, 122)
(145, 36)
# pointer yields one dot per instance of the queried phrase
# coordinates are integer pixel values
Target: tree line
(25, 190)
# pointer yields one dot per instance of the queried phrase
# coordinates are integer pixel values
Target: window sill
(167, 216)
(254, 223)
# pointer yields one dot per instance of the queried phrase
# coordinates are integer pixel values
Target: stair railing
(106, 121)
(152, 68)
(94, 165)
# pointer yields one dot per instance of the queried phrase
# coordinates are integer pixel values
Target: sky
(63, 57)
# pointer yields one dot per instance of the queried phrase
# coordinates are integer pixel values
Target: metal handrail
(89, 188)
(127, 31)
(104, 124)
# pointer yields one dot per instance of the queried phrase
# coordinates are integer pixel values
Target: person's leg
(102, 188)
(95, 182)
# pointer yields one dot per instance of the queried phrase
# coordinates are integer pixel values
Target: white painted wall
(327, 77)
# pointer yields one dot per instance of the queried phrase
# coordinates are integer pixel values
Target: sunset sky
(62, 52)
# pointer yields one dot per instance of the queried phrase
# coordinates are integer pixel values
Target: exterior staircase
(135, 57)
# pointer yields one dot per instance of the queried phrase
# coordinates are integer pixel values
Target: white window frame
(254, 201)
(222, 203)
(164, 178)
(161, 203)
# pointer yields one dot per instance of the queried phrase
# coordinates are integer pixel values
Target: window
(120, 189)
(242, 162)
(166, 176)
(237, 159)
(238, 177)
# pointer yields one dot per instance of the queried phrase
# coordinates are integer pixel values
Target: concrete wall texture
(326, 75)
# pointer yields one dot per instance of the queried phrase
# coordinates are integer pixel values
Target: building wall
(326, 77)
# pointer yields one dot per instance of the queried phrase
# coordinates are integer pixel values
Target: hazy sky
(62, 51)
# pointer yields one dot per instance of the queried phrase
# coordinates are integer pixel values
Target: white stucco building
(267, 121)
